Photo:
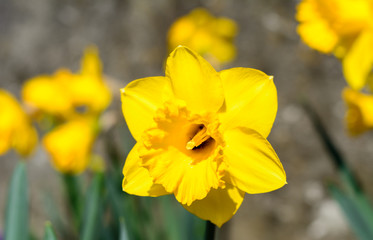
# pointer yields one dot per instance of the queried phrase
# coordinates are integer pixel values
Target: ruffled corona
(181, 147)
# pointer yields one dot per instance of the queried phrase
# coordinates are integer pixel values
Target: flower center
(199, 139)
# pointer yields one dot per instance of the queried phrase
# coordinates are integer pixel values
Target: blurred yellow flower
(201, 135)
(16, 130)
(359, 114)
(343, 27)
(69, 145)
(210, 36)
(68, 95)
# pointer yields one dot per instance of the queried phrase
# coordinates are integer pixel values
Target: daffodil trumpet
(201, 136)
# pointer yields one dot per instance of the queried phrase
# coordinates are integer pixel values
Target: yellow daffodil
(70, 145)
(16, 130)
(343, 27)
(201, 135)
(359, 114)
(66, 94)
(210, 36)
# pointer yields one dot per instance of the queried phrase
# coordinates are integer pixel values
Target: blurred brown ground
(40, 36)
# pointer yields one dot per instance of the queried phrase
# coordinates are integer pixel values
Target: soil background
(38, 37)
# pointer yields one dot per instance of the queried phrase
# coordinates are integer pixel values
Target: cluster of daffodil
(201, 134)
(67, 106)
(345, 29)
(73, 103)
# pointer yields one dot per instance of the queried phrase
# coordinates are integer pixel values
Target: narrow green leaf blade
(16, 217)
(93, 208)
(353, 211)
(48, 232)
(123, 235)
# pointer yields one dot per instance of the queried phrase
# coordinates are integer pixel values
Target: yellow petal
(219, 205)
(91, 64)
(178, 173)
(15, 128)
(250, 100)
(223, 50)
(359, 113)
(70, 145)
(137, 180)
(315, 30)
(140, 100)
(252, 163)
(225, 27)
(25, 140)
(318, 35)
(357, 64)
(194, 80)
(46, 95)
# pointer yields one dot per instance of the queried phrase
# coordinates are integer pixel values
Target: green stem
(74, 197)
(210, 231)
(350, 180)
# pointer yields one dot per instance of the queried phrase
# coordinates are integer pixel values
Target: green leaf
(48, 232)
(357, 212)
(74, 196)
(123, 235)
(93, 208)
(16, 218)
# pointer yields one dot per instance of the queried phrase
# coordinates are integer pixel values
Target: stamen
(198, 139)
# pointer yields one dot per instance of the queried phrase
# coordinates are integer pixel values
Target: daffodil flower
(201, 135)
(69, 95)
(70, 144)
(342, 27)
(16, 130)
(209, 36)
(359, 114)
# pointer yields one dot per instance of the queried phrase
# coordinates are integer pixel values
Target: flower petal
(45, 94)
(137, 180)
(194, 80)
(252, 163)
(178, 174)
(359, 113)
(91, 64)
(357, 64)
(250, 100)
(219, 205)
(69, 145)
(140, 99)
(313, 29)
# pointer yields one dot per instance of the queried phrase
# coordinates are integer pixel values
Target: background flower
(210, 36)
(66, 94)
(70, 145)
(342, 27)
(16, 130)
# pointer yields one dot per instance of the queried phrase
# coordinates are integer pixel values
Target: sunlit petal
(250, 100)
(358, 62)
(140, 99)
(137, 180)
(252, 163)
(219, 205)
(194, 80)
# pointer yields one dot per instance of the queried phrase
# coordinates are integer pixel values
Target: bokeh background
(39, 37)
